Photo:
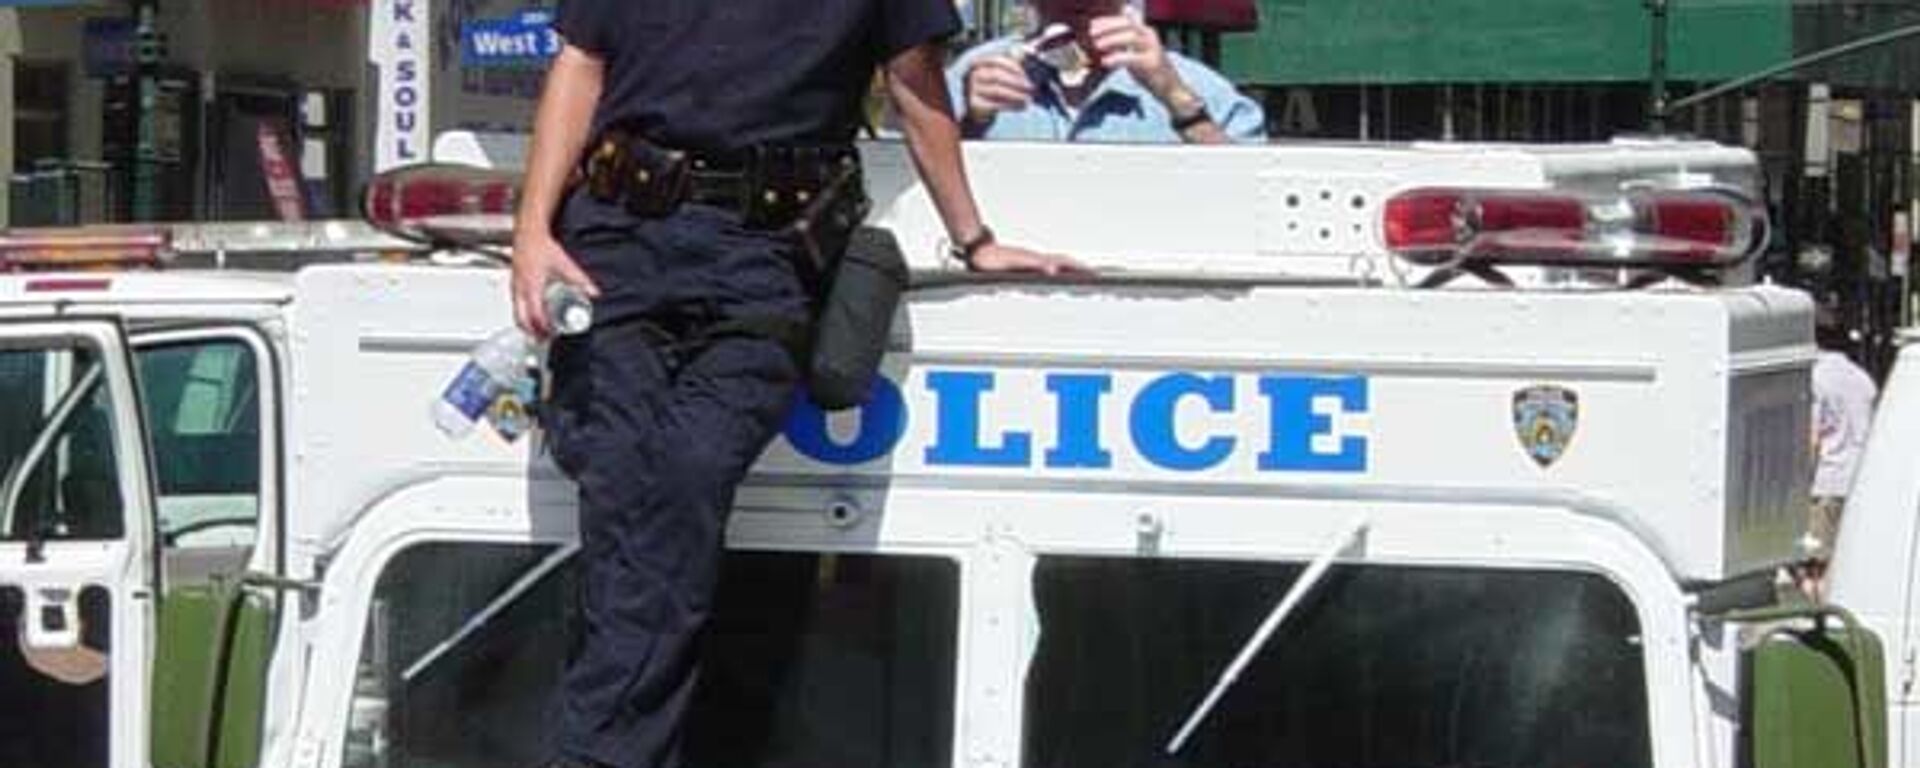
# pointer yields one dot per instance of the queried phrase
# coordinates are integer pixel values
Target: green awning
(1521, 41)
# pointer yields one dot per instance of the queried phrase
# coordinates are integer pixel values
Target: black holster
(856, 276)
(855, 319)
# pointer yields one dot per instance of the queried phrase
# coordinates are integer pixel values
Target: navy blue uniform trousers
(657, 431)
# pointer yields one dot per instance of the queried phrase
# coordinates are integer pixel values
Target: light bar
(444, 204)
(1708, 228)
(83, 249)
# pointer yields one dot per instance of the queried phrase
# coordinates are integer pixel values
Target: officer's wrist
(964, 248)
(524, 234)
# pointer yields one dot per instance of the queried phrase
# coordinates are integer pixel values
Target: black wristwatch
(965, 249)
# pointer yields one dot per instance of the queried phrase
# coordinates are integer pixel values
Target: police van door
(76, 548)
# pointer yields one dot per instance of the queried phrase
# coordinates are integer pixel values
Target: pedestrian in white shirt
(1843, 399)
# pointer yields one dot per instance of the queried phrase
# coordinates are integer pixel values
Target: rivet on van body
(843, 514)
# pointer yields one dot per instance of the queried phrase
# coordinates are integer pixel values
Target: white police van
(1296, 480)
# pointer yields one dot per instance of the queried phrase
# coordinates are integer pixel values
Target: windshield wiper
(494, 607)
(1301, 587)
(16, 480)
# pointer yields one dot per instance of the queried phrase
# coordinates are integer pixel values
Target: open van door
(77, 573)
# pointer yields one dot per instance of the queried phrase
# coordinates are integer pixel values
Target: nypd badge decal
(1544, 418)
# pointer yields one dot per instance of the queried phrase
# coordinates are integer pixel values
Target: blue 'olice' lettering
(1077, 400)
(956, 440)
(1152, 421)
(883, 420)
(1299, 409)
(1295, 424)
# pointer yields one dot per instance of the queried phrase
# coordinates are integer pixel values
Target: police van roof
(146, 287)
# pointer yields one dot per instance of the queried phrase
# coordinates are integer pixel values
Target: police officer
(692, 105)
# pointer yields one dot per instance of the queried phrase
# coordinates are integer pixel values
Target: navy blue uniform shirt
(719, 75)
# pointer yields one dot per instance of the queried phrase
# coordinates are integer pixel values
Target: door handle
(53, 619)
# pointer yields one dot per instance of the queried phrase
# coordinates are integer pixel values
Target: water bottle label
(471, 392)
(512, 414)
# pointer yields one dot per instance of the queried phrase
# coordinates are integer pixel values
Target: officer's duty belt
(770, 185)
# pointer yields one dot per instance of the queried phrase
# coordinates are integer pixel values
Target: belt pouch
(658, 178)
(649, 180)
(856, 318)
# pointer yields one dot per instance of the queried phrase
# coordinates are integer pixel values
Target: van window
(203, 415)
(1378, 667)
(813, 660)
(71, 489)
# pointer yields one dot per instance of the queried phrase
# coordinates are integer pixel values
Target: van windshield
(1377, 668)
(811, 660)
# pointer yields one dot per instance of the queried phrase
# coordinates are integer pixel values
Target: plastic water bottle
(500, 382)
(569, 311)
(494, 369)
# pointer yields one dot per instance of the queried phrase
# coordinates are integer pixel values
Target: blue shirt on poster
(1120, 110)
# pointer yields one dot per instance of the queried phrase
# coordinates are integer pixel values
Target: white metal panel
(29, 292)
(1413, 388)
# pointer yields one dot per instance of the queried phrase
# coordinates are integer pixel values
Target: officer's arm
(918, 86)
(919, 91)
(560, 127)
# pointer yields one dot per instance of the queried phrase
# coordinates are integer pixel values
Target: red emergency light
(1688, 229)
(444, 204)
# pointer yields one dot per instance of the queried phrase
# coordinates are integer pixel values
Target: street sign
(528, 38)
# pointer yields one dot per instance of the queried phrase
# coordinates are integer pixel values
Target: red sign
(1210, 15)
(283, 181)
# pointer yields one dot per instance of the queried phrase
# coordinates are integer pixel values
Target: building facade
(253, 119)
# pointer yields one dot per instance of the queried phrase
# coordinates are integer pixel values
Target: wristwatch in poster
(1183, 122)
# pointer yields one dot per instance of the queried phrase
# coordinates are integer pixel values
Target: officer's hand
(538, 260)
(996, 84)
(996, 257)
(1123, 41)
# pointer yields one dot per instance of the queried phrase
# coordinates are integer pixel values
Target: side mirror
(1815, 692)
